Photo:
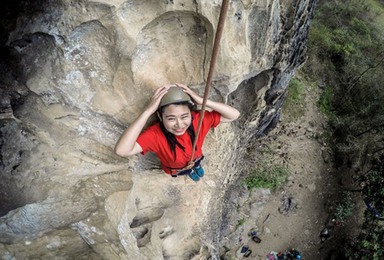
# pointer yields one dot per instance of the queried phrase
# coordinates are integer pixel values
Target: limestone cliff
(75, 74)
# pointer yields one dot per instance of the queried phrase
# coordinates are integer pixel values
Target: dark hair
(171, 139)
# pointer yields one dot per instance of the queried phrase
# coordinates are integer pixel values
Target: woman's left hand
(228, 113)
(198, 100)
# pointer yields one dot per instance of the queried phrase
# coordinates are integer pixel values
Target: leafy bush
(373, 191)
(345, 208)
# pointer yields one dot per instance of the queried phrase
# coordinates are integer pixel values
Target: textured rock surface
(74, 74)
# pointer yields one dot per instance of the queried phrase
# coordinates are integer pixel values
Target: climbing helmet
(174, 95)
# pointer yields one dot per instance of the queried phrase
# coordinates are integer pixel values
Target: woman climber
(172, 138)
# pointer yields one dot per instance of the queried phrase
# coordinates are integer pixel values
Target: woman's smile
(180, 130)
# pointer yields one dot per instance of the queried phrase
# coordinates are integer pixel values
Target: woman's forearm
(228, 113)
(126, 145)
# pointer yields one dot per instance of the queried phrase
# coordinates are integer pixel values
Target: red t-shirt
(153, 139)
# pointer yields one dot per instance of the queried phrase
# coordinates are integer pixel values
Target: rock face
(75, 74)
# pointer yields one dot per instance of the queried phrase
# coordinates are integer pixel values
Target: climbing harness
(194, 173)
(220, 26)
(182, 171)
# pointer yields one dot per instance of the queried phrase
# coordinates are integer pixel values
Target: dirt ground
(313, 184)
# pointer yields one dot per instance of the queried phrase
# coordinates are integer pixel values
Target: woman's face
(176, 118)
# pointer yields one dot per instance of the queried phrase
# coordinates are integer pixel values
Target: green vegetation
(346, 52)
(350, 56)
(373, 191)
(240, 223)
(345, 208)
(295, 100)
(325, 102)
(266, 175)
(369, 244)
(296, 92)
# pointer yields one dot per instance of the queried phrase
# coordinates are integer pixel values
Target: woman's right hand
(156, 98)
(127, 145)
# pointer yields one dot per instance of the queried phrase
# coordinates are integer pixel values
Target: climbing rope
(220, 26)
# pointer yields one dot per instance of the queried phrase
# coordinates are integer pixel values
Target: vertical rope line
(220, 26)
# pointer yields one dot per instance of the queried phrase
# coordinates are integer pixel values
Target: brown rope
(220, 26)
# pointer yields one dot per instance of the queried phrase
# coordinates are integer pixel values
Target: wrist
(147, 113)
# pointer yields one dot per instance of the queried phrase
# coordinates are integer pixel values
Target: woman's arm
(228, 113)
(127, 145)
